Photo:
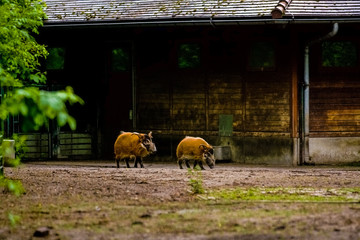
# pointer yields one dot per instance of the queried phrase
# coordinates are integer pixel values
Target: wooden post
(294, 100)
(295, 103)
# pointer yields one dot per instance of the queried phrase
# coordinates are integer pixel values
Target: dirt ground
(95, 200)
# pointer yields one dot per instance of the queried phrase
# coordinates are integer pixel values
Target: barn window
(189, 55)
(339, 54)
(55, 59)
(120, 59)
(262, 56)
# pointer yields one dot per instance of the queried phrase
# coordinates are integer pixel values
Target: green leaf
(72, 123)
(62, 118)
(14, 219)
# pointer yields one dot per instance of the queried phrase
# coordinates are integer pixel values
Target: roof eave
(199, 22)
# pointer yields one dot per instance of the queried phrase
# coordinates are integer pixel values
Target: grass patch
(284, 194)
(198, 217)
(196, 182)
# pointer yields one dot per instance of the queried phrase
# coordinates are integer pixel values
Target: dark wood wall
(260, 101)
(173, 101)
(190, 101)
(335, 106)
(335, 91)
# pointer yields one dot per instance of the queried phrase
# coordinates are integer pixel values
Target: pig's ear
(203, 148)
(211, 150)
(150, 134)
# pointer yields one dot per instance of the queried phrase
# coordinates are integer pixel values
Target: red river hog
(196, 149)
(133, 146)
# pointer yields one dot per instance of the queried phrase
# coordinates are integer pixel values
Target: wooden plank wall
(153, 103)
(334, 106)
(190, 101)
(226, 97)
(194, 104)
(268, 105)
(335, 91)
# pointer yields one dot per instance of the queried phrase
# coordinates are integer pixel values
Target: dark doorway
(118, 100)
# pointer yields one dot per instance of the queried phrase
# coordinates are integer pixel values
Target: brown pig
(133, 146)
(196, 149)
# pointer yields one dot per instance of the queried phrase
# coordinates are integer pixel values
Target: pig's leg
(201, 165)
(127, 162)
(187, 163)
(141, 162)
(135, 162)
(180, 163)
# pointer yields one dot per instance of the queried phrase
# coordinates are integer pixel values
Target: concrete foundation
(339, 150)
(246, 150)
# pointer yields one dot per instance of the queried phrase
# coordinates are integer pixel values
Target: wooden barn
(266, 82)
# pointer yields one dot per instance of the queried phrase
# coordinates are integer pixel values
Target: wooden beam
(294, 92)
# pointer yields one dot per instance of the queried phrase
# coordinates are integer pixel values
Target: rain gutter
(305, 156)
(196, 22)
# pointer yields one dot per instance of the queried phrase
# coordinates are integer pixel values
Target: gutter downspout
(305, 156)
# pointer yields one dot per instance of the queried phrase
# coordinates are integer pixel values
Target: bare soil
(96, 200)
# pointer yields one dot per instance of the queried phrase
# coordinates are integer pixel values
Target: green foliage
(20, 76)
(56, 59)
(19, 68)
(13, 186)
(37, 106)
(20, 53)
(189, 56)
(120, 60)
(20, 146)
(195, 181)
(339, 54)
(14, 219)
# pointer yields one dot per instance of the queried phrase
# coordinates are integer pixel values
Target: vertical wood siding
(153, 103)
(226, 97)
(190, 101)
(195, 104)
(335, 91)
(335, 107)
(268, 105)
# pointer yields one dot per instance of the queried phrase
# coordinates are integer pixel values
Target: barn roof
(165, 11)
